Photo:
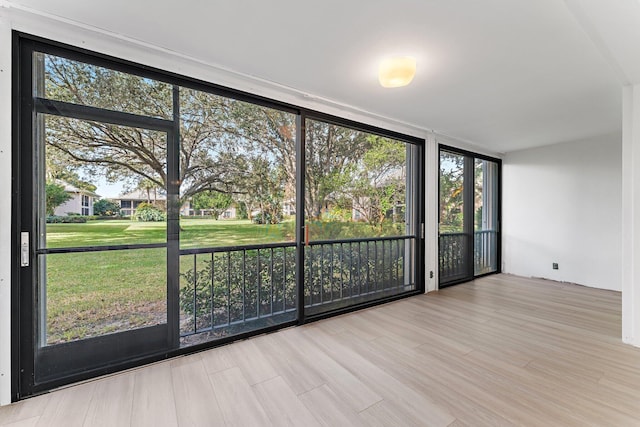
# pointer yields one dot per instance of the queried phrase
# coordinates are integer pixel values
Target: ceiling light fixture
(396, 71)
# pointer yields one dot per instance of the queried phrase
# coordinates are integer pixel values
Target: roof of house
(70, 188)
(143, 195)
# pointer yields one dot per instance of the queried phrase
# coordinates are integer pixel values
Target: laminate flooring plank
(195, 401)
(112, 400)
(329, 408)
(351, 390)
(251, 361)
(153, 399)
(25, 409)
(238, 402)
(412, 407)
(282, 405)
(27, 422)
(282, 352)
(68, 407)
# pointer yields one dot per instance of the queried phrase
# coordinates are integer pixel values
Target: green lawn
(93, 293)
(194, 233)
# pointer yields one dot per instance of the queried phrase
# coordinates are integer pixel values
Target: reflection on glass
(83, 160)
(237, 166)
(63, 79)
(96, 293)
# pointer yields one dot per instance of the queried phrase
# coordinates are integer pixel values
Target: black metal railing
(340, 273)
(229, 290)
(453, 259)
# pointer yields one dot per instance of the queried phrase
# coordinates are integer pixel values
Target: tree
(331, 154)
(451, 191)
(104, 207)
(55, 195)
(265, 184)
(133, 155)
(378, 183)
(214, 201)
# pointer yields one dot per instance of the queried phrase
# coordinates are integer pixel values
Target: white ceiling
(502, 74)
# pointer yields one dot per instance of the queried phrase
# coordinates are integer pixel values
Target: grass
(93, 293)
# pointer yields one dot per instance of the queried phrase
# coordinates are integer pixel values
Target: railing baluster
(341, 270)
(284, 279)
(321, 274)
(259, 295)
(375, 267)
(244, 285)
(195, 293)
(359, 269)
(213, 293)
(332, 279)
(212, 286)
(228, 288)
(382, 263)
(311, 284)
(271, 285)
(367, 261)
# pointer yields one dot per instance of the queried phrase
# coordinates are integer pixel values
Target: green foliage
(378, 184)
(237, 286)
(215, 201)
(104, 207)
(70, 219)
(332, 153)
(266, 218)
(146, 212)
(241, 211)
(451, 192)
(55, 196)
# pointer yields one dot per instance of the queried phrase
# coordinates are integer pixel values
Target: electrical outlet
(431, 275)
(555, 265)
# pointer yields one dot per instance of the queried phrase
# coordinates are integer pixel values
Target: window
(314, 222)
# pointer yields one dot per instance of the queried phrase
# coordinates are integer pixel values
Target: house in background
(129, 202)
(81, 202)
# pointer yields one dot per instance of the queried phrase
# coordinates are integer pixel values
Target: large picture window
(170, 214)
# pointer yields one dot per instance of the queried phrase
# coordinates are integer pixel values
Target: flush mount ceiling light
(396, 71)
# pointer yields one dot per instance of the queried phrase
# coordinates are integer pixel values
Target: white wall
(5, 210)
(630, 219)
(562, 203)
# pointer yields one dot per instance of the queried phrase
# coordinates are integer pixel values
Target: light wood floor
(499, 351)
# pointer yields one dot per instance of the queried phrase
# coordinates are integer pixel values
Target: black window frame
(24, 101)
(470, 158)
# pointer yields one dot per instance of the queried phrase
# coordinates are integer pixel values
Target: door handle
(24, 249)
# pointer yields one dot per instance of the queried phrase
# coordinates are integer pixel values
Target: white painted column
(5, 208)
(631, 216)
(431, 212)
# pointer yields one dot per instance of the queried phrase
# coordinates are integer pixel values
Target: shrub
(237, 286)
(72, 219)
(147, 212)
(104, 207)
(266, 218)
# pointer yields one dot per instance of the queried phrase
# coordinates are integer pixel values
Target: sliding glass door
(157, 215)
(469, 212)
(361, 217)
